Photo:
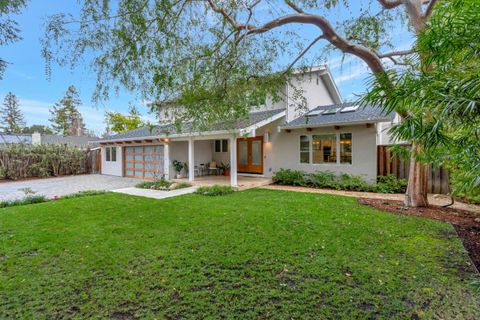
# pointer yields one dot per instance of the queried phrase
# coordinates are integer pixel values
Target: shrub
(24, 201)
(390, 184)
(290, 177)
(180, 185)
(19, 161)
(160, 184)
(329, 180)
(322, 179)
(215, 190)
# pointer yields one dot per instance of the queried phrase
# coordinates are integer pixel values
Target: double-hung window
(111, 154)
(221, 145)
(335, 148)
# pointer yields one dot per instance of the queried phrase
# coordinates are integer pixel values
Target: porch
(243, 182)
(201, 160)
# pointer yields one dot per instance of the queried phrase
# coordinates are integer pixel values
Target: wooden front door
(250, 155)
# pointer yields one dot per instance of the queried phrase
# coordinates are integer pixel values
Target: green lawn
(252, 254)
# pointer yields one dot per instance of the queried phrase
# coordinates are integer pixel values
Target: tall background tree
(37, 128)
(12, 117)
(211, 56)
(9, 29)
(118, 122)
(441, 94)
(66, 119)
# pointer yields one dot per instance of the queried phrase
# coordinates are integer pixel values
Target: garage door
(143, 162)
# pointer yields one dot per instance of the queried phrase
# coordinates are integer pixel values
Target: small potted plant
(178, 165)
(225, 167)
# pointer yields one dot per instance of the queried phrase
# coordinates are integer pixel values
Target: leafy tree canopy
(9, 29)
(37, 128)
(211, 56)
(441, 94)
(118, 122)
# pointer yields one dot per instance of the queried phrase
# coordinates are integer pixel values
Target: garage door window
(144, 162)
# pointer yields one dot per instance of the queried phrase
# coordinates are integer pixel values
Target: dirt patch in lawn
(466, 223)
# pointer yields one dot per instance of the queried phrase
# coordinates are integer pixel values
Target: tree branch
(303, 52)
(429, 9)
(294, 6)
(390, 4)
(329, 33)
(396, 53)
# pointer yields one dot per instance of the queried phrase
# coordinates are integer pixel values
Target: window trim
(221, 145)
(310, 150)
(109, 154)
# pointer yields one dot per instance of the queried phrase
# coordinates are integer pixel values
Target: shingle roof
(77, 141)
(6, 138)
(335, 116)
(185, 128)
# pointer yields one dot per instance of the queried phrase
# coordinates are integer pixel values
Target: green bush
(160, 184)
(329, 180)
(390, 184)
(19, 161)
(180, 185)
(215, 190)
(24, 201)
(290, 177)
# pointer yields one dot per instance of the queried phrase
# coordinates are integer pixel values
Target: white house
(329, 135)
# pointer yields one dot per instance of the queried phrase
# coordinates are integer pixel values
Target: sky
(25, 75)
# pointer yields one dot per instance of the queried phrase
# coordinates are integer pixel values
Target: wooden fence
(387, 163)
(94, 161)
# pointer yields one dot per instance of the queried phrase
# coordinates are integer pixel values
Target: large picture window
(335, 148)
(324, 148)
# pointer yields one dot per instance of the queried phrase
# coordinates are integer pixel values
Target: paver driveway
(51, 187)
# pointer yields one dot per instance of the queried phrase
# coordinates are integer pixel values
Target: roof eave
(330, 124)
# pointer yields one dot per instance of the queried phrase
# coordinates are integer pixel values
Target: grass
(215, 190)
(250, 254)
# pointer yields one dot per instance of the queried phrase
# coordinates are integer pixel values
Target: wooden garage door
(143, 162)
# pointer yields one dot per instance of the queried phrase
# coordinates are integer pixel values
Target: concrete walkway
(434, 199)
(51, 187)
(155, 194)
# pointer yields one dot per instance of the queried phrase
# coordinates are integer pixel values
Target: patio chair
(213, 167)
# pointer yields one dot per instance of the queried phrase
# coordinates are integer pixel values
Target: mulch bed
(466, 223)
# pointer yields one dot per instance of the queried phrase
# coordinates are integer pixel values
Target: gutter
(329, 124)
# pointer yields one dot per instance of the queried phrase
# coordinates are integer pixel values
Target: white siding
(179, 151)
(283, 151)
(112, 168)
(313, 90)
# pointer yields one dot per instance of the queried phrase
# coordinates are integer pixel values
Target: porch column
(191, 159)
(166, 160)
(233, 162)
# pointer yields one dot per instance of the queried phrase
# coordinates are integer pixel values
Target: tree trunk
(416, 195)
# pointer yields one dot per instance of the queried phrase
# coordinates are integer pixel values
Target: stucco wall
(283, 150)
(113, 168)
(313, 90)
(179, 151)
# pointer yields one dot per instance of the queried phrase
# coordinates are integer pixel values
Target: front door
(250, 155)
